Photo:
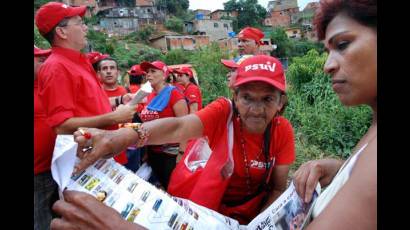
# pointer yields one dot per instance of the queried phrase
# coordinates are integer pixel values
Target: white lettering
(265, 67)
(255, 67)
(272, 68)
(248, 67)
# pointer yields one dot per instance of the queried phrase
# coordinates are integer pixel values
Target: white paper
(64, 158)
(141, 94)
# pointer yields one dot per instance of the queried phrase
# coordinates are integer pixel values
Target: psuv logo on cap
(64, 6)
(268, 66)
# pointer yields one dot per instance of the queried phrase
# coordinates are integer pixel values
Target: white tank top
(338, 181)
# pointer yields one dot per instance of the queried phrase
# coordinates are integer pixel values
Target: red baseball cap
(136, 71)
(185, 70)
(50, 14)
(261, 68)
(95, 57)
(234, 63)
(251, 33)
(156, 65)
(41, 53)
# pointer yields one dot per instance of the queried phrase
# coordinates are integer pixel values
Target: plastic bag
(198, 155)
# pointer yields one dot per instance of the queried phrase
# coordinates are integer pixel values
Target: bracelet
(117, 102)
(143, 133)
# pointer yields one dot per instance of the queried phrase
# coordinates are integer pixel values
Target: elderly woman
(348, 28)
(262, 150)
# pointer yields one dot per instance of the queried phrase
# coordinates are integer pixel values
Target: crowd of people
(252, 143)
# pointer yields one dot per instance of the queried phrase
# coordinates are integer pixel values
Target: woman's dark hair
(136, 79)
(192, 80)
(171, 78)
(363, 11)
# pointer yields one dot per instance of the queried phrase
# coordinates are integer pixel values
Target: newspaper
(140, 202)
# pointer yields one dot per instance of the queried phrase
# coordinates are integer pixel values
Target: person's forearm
(72, 124)
(172, 130)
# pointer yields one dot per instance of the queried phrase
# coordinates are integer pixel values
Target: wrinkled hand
(124, 113)
(306, 178)
(82, 211)
(104, 143)
(127, 98)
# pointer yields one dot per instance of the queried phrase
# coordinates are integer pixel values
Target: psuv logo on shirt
(148, 115)
(259, 164)
(268, 66)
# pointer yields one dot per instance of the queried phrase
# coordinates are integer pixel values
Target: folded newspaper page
(140, 202)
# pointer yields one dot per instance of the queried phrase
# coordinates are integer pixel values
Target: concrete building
(171, 41)
(216, 29)
(124, 20)
(218, 14)
(280, 13)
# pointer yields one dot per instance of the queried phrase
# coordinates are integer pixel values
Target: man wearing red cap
(44, 137)
(186, 83)
(249, 40)
(68, 86)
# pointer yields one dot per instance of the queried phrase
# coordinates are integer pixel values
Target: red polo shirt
(134, 88)
(69, 87)
(214, 117)
(44, 136)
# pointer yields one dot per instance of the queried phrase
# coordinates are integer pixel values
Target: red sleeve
(284, 141)
(193, 95)
(175, 97)
(59, 100)
(214, 117)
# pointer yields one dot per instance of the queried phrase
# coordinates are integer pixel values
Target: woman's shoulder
(282, 123)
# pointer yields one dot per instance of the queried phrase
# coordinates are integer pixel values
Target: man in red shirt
(249, 40)
(186, 83)
(108, 71)
(68, 86)
(44, 137)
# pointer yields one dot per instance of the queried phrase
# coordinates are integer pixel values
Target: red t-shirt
(44, 136)
(193, 94)
(214, 117)
(69, 87)
(148, 115)
(134, 88)
(116, 92)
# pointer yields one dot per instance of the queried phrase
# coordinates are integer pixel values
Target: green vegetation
(175, 24)
(251, 13)
(316, 113)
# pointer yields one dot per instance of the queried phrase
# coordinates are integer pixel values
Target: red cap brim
(274, 83)
(229, 63)
(78, 10)
(40, 52)
(147, 65)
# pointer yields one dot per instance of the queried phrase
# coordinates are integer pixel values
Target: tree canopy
(250, 13)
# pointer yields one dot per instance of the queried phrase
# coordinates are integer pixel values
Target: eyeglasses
(79, 23)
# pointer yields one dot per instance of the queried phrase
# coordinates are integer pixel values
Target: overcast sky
(218, 4)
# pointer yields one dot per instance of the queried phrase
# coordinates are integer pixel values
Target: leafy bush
(174, 24)
(211, 73)
(101, 42)
(178, 56)
(315, 110)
